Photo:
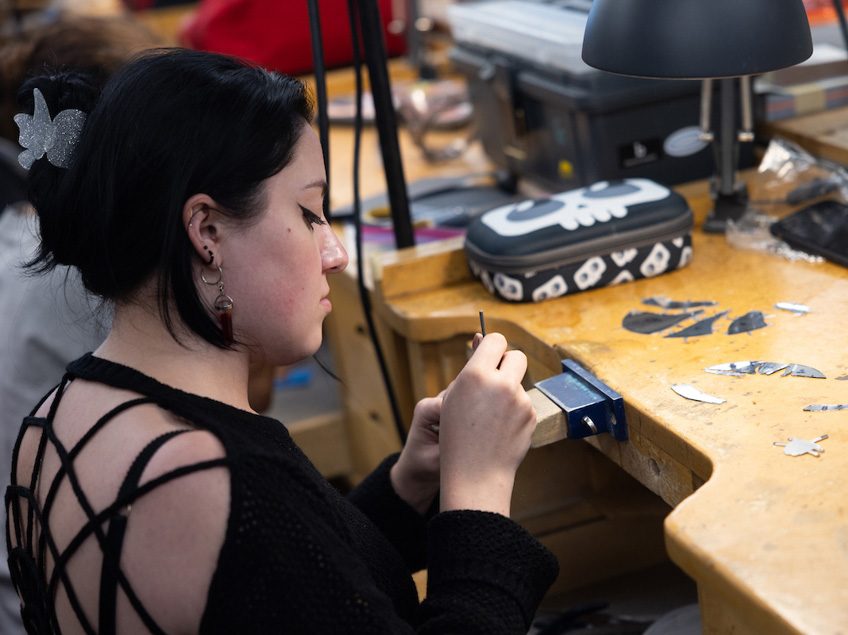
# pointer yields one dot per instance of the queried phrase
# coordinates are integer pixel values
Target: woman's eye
(311, 218)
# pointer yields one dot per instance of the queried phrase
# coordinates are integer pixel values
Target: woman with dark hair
(146, 495)
(50, 320)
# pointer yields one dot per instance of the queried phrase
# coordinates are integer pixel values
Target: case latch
(589, 407)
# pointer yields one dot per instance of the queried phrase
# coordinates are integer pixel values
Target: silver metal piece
(799, 370)
(770, 368)
(800, 309)
(820, 407)
(734, 369)
(690, 392)
(705, 133)
(737, 369)
(590, 424)
(747, 132)
(799, 447)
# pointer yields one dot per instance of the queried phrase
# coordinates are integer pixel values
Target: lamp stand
(730, 197)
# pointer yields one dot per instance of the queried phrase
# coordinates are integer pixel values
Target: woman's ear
(202, 222)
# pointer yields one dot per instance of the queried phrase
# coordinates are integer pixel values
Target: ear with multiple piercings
(223, 304)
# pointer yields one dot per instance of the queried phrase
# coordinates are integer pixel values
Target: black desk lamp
(702, 39)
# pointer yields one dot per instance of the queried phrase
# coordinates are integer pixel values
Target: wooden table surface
(764, 535)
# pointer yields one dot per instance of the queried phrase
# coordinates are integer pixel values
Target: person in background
(276, 35)
(147, 495)
(46, 321)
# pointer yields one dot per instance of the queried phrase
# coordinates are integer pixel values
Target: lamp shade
(692, 39)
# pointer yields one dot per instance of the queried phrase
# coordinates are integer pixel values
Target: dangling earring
(223, 305)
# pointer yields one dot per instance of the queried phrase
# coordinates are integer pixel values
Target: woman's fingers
(513, 366)
(488, 354)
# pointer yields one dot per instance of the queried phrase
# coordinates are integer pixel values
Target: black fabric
(110, 569)
(300, 558)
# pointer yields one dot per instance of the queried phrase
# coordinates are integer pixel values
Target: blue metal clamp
(590, 406)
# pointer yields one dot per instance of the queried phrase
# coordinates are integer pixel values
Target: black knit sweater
(300, 558)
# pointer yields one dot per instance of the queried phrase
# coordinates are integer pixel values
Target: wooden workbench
(764, 535)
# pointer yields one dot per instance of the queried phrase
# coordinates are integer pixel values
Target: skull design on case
(621, 258)
(553, 288)
(598, 203)
(589, 273)
(509, 288)
(656, 262)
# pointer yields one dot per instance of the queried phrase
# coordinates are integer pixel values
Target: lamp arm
(747, 132)
(706, 133)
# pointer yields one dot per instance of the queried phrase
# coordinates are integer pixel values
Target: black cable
(321, 94)
(357, 221)
(385, 118)
(843, 24)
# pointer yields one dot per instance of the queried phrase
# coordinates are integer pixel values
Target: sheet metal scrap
(798, 309)
(799, 370)
(751, 321)
(701, 327)
(689, 391)
(820, 407)
(798, 447)
(770, 368)
(737, 369)
(645, 322)
(667, 303)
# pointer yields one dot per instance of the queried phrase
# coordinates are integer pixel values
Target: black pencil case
(604, 234)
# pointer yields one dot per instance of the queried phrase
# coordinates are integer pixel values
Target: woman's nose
(333, 254)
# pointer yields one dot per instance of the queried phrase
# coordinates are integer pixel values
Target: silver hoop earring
(213, 282)
(223, 305)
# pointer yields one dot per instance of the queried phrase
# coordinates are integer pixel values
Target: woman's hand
(486, 424)
(415, 476)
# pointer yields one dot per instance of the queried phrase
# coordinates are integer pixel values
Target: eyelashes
(310, 217)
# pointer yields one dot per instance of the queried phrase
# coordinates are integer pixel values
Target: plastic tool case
(543, 114)
(604, 234)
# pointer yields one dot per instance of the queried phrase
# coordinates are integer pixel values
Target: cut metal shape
(645, 322)
(799, 447)
(667, 303)
(770, 368)
(689, 391)
(799, 370)
(701, 327)
(735, 369)
(819, 407)
(792, 307)
(751, 321)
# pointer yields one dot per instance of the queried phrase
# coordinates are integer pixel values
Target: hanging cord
(321, 94)
(357, 221)
(843, 24)
(374, 51)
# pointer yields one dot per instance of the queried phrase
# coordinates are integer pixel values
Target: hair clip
(40, 135)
